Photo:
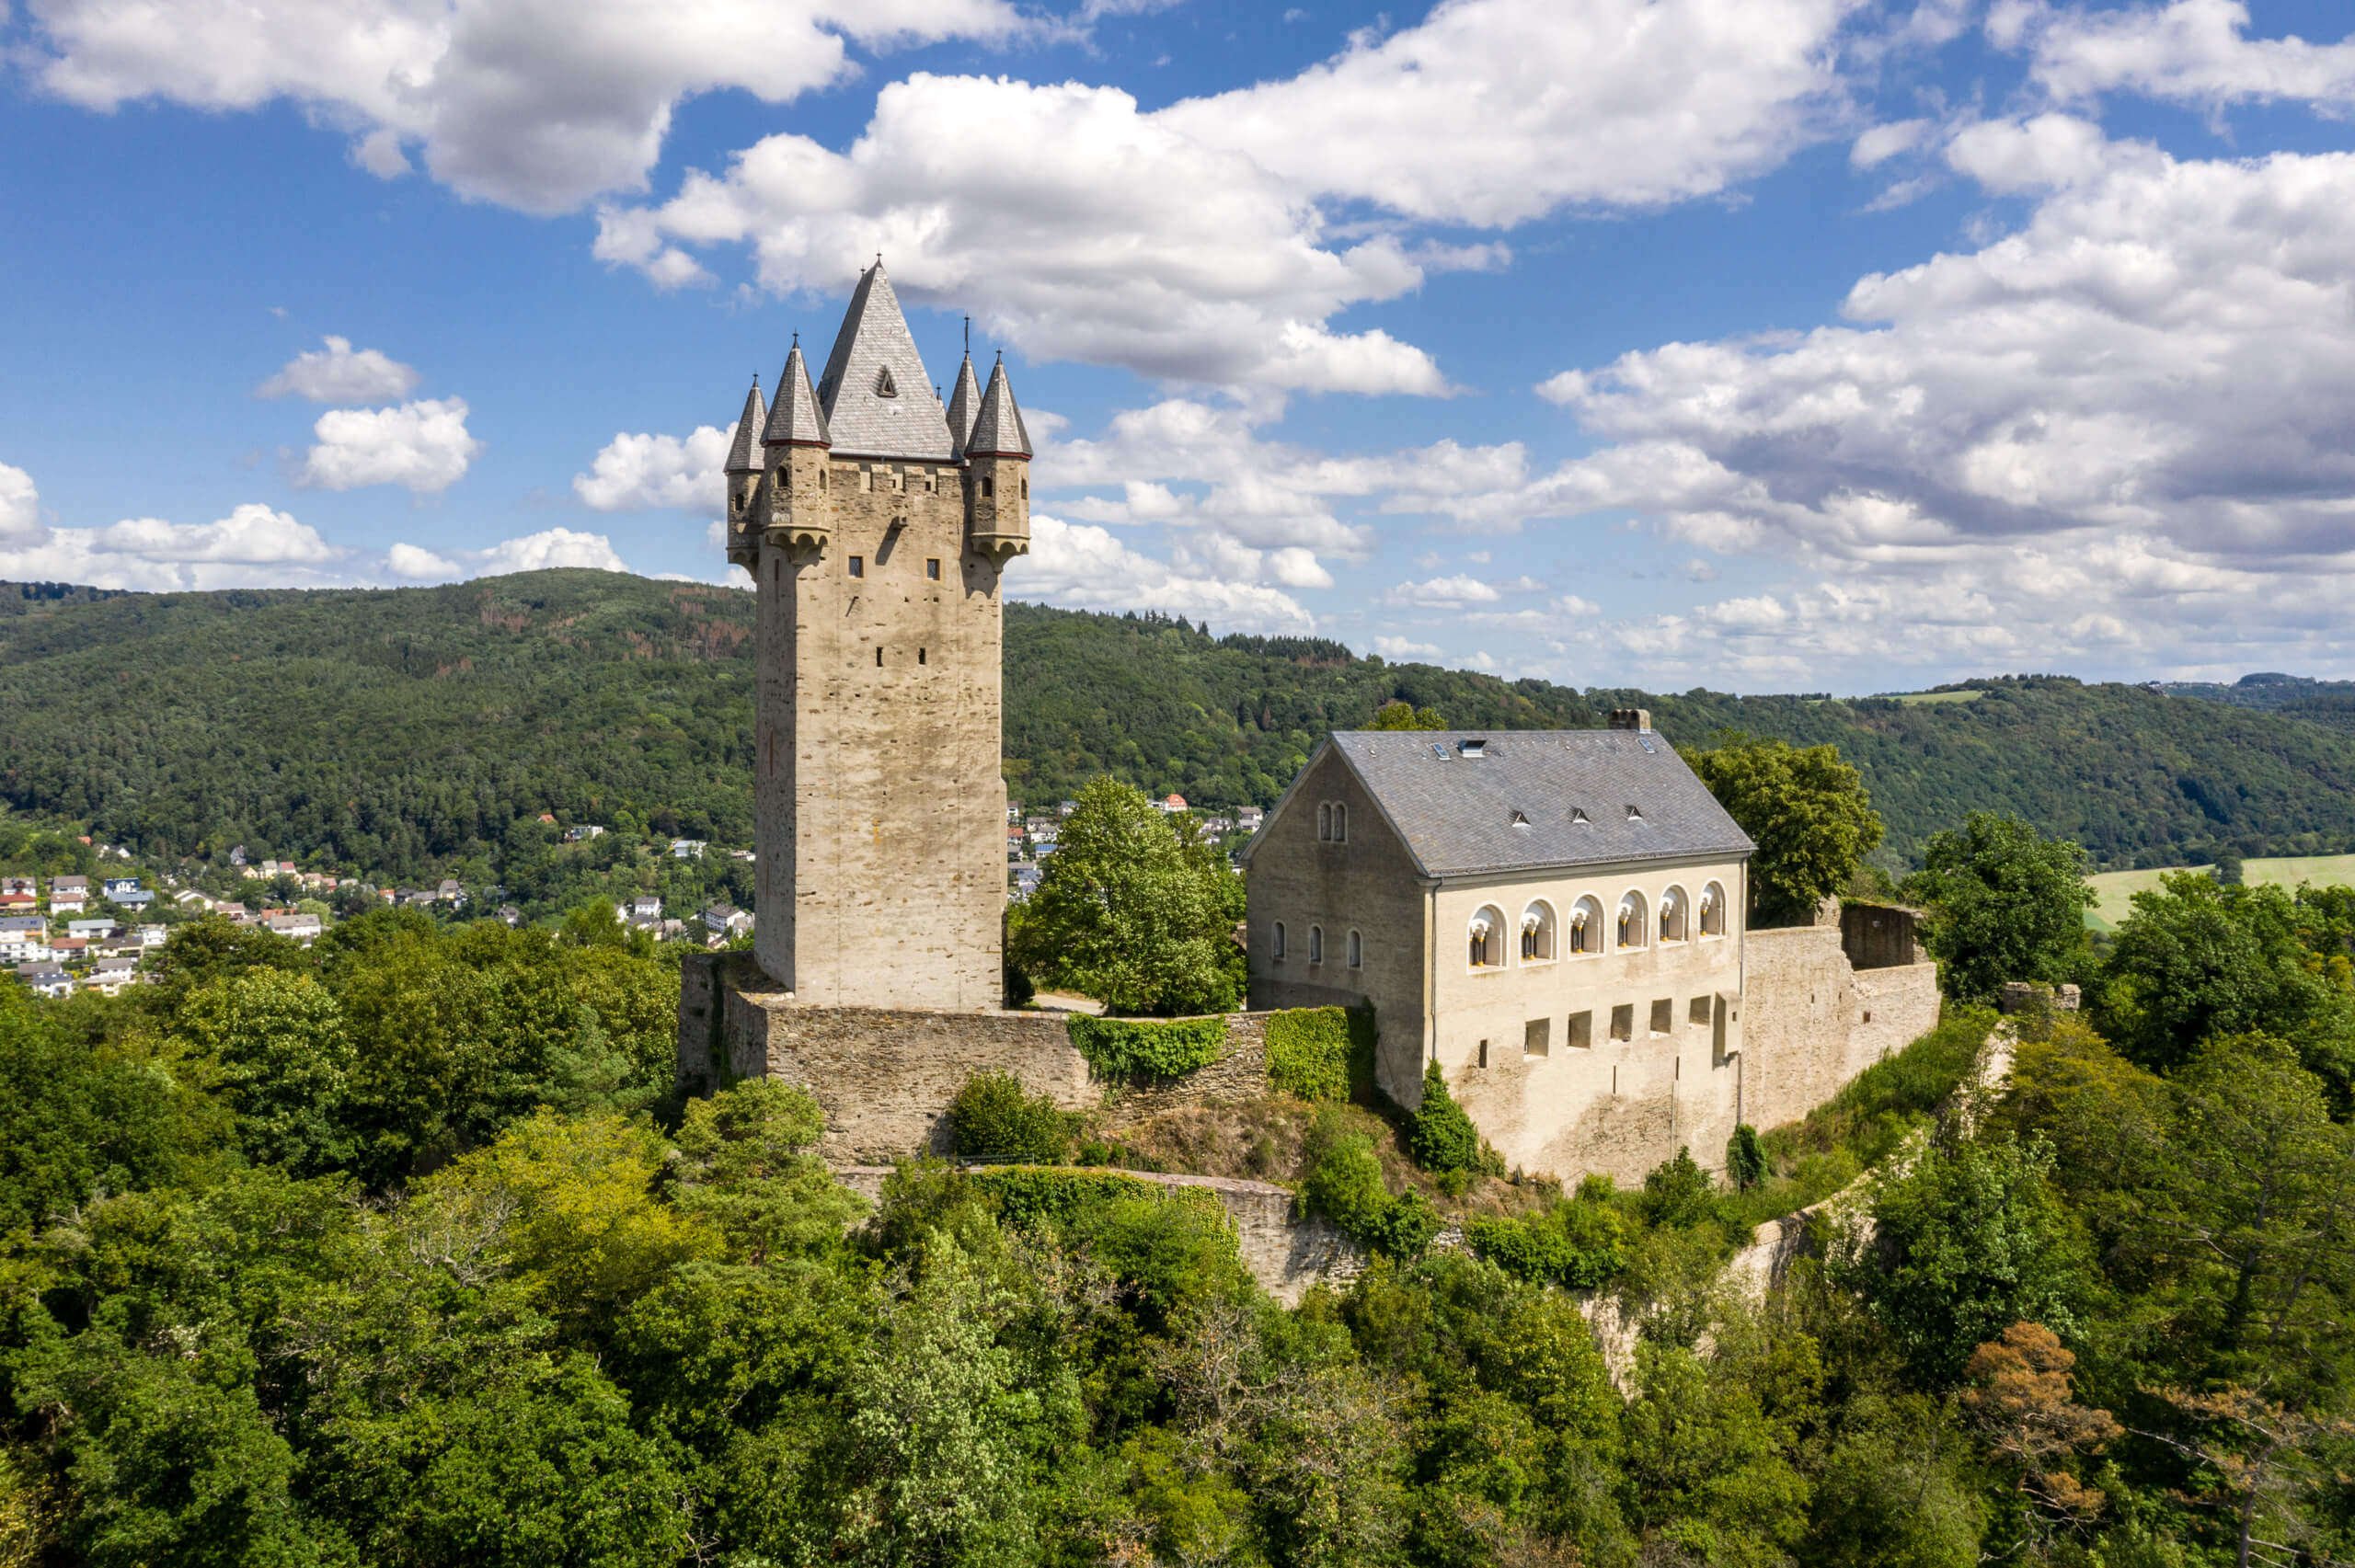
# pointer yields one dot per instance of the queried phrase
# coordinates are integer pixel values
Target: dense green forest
(401, 732)
(394, 1252)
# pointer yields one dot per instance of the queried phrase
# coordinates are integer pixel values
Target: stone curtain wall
(885, 1076)
(1812, 1021)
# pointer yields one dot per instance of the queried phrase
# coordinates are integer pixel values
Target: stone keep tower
(876, 523)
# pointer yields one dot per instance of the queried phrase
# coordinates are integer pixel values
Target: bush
(1679, 1196)
(1319, 1053)
(993, 1118)
(1344, 1184)
(1121, 1049)
(1580, 1244)
(1028, 1197)
(1745, 1158)
(1445, 1138)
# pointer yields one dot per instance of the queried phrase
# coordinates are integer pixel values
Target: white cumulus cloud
(1403, 647)
(254, 546)
(2194, 51)
(422, 445)
(537, 104)
(638, 473)
(252, 534)
(1442, 593)
(1086, 566)
(340, 374)
(20, 507)
(549, 547)
(418, 563)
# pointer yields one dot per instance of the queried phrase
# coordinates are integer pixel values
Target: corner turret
(794, 506)
(997, 483)
(963, 403)
(743, 473)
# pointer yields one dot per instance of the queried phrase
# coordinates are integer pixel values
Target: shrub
(1580, 1244)
(1678, 1194)
(1344, 1184)
(993, 1118)
(1445, 1138)
(1308, 1053)
(1745, 1158)
(1029, 1195)
(1121, 1049)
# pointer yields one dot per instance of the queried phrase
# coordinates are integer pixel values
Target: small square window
(1664, 1015)
(859, 566)
(932, 570)
(1580, 1035)
(1623, 1021)
(1700, 1013)
(1536, 1037)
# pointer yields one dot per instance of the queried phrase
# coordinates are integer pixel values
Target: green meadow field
(2113, 889)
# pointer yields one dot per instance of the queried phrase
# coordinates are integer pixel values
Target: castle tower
(876, 543)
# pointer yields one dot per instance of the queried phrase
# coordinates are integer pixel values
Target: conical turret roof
(878, 398)
(997, 424)
(963, 403)
(796, 419)
(744, 452)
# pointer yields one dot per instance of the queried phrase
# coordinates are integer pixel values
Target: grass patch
(2114, 890)
(1914, 699)
(1809, 1159)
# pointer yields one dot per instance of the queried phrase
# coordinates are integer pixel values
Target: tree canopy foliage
(1807, 811)
(2006, 904)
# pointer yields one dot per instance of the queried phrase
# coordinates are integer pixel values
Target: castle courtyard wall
(1815, 1021)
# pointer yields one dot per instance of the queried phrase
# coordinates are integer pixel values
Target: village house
(687, 848)
(646, 908)
(23, 939)
(101, 927)
(299, 924)
(69, 949)
(582, 834)
(68, 894)
(721, 921)
(116, 887)
(45, 979)
(152, 935)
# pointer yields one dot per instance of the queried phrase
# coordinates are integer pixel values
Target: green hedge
(1320, 1053)
(1579, 1244)
(1123, 1049)
(1030, 1195)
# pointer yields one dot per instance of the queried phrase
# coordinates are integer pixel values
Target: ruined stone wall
(1815, 1021)
(1286, 1251)
(879, 807)
(885, 1076)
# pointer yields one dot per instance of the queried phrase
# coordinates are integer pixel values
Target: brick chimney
(1638, 719)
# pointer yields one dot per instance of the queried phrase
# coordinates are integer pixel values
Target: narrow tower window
(878, 658)
(932, 570)
(989, 486)
(919, 655)
(859, 566)
(1276, 943)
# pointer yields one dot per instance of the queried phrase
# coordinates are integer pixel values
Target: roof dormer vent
(1578, 817)
(1521, 819)
(1472, 750)
(1634, 815)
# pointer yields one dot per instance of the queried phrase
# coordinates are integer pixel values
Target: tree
(1129, 912)
(2021, 1403)
(1808, 811)
(277, 1042)
(1970, 1241)
(2196, 961)
(1403, 715)
(2006, 903)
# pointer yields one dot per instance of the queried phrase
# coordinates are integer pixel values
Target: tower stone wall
(879, 802)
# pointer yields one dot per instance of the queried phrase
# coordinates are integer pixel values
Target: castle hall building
(875, 521)
(1553, 916)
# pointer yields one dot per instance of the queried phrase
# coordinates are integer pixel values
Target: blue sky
(1762, 344)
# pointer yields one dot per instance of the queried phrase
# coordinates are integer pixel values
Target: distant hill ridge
(403, 729)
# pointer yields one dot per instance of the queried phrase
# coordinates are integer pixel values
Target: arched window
(1631, 920)
(1323, 824)
(1275, 944)
(1713, 910)
(1537, 931)
(1672, 920)
(1586, 928)
(1488, 938)
(1316, 944)
(1357, 951)
(1340, 823)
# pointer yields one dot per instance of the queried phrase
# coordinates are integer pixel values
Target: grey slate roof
(997, 424)
(796, 419)
(878, 398)
(1456, 813)
(963, 403)
(744, 452)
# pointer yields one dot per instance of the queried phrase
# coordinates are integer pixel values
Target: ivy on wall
(1321, 1053)
(1125, 1050)
(1029, 1195)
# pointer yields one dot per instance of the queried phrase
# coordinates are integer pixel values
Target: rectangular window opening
(878, 658)
(1536, 1038)
(1699, 1015)
(1484, 1053)
(1664, 1015)
(1580, 1035)
(859, 566)
(919, 655)
(932, 569)
(1623, 1021)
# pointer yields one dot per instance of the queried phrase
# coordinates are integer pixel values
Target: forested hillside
(397, 731)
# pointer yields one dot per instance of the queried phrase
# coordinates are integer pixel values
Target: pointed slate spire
(997, 424)
(877, 396)
(796, 419)
(963, 403)
(744, 452)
